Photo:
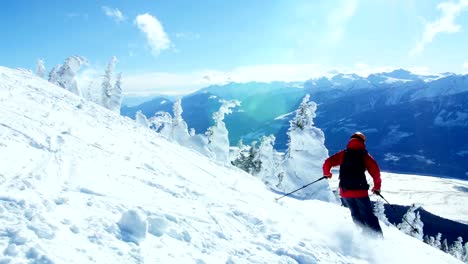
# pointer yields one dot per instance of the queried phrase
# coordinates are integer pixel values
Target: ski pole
(404, 219)
(300, 188)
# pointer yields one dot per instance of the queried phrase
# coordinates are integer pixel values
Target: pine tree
(412, 217)
(437, 242)
(304, 115)
(243, 158)
(465, 253)
(141, 119)
(304, 156)
(40, 68)
(53, 75)
(429, 240)
(115, 102)
(161, 122)
(218, 140)
(418, 224)
(107, 88)
(456, 249)
(444, 247)
(379, 211)
(180, 133)
(266, 160)
(64, 75)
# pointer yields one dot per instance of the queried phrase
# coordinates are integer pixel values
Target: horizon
(162, 49)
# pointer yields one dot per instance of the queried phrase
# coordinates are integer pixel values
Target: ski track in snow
(79, 184)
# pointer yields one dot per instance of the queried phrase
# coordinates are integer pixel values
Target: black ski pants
(362, 213)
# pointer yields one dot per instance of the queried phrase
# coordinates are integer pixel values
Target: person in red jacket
(353, 162)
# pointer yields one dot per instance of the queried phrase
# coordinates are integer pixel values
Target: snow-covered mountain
(80, 184)
(415, 123)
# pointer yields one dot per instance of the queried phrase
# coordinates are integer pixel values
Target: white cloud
(113, 13)
(154, 31)
(465, 65)
(338, 21)
(444, 24)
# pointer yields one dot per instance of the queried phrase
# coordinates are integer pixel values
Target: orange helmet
(359, 136)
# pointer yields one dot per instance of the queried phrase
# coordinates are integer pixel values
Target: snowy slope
(70, 170)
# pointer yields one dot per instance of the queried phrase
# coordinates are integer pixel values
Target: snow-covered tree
(141, 119)
(456, 249)
(53, 76)
(115, 102)
(64, 75)
(437, 241)
(379, 211)
(242, 156)
(430, 240)
(106, 86)
(161, 122)
(218, 140)
(444, 247)
(305, 155)
(412, 217)
(267, 160)
(180, 131)
(40, 68)
(465, 253)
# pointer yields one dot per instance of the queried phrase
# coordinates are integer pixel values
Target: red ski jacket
(370, 163)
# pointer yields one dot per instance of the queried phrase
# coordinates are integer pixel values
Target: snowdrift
(80, 184)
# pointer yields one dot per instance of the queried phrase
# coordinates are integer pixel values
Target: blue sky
(174, 46)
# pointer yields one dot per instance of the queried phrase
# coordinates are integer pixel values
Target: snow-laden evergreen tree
(64, 75)
(175, 129)
(267, 160)
(53, 76)
(379, 211)
(438, 241)
(180, 132)
(414, 219)
(465, 253)
(141, 119)
(115, 102)
(456, 249)
(304, 157)
(430, 240)
(242, 157)
(218, 140)
(444, 247)
(161, 122)
(419, 225)
(40, 68)
(106, 86)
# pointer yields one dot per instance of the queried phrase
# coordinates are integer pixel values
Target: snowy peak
(81, 184)
(399, 78)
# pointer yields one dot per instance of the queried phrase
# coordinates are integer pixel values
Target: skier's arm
(332, 161)
(374, 171)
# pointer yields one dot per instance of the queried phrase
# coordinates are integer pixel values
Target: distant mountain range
(414, 123)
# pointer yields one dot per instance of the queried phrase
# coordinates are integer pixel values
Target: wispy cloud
(338, 20)
(113, 13)
(444, 24)
(157, 38)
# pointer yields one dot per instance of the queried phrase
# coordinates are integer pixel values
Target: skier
(353, 162)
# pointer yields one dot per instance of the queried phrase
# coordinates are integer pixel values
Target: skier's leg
(354, 209)
(367, 215)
